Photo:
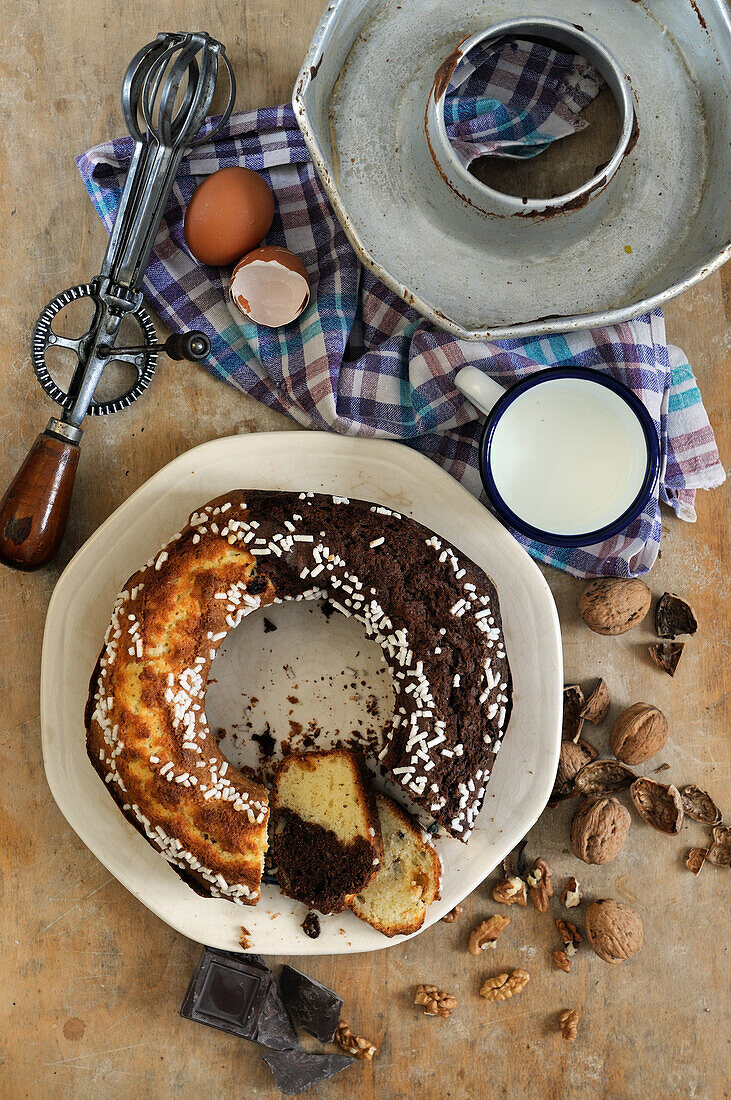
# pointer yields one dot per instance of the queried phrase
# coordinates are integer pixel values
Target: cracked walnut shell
(695, 858)
(700, 806)
(596, 707)
(719, 852)
(614, 606)
(639, 732)
(485, 935)
(613, 930)
(659, 804)
(599, 830)
(504, 986)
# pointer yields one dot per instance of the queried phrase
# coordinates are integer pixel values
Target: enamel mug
(568, 456)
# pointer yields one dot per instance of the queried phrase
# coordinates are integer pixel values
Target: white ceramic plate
(252, 664)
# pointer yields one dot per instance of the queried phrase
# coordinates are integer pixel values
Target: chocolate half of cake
(325, 837)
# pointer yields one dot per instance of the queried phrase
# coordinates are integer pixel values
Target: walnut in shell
(674, 616)
(599, 830)
(613, 606)
(613, 930)
(719, 853)
(639, 733)
(603, 777)
(666, 655)
(659, 804)
(596, 707)
(700, 806)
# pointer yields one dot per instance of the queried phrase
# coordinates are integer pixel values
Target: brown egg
(230, 213)
(270, 286)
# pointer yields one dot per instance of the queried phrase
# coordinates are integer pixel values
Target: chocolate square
(312, 1006)
(228, 991)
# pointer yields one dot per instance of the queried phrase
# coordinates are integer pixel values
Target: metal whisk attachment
(166, 95)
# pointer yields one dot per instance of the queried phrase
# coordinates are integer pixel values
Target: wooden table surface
(91, 980)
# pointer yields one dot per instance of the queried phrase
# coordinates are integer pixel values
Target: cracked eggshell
(270, 286)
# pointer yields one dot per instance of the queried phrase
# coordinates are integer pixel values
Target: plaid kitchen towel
(359, 361)
(516, 99)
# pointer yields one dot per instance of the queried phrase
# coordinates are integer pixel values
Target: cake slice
(408, 879)
(325, 839)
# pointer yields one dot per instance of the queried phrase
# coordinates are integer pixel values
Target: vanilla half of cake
(409, 877)
(325, 836)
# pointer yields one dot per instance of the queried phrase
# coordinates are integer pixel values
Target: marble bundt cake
(434, 613)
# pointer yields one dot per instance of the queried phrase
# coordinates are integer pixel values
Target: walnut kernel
(451, 916)
(354, 1044)
(569, 933)
(571, 895)
(614, 930)
(510, 891)
(435, 1002)
(561, 960)
(485, 935)
(569, 1024)
(540, 885)
(599, 830)
(504, 986)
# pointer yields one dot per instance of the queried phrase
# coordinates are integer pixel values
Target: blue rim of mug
(630, 513)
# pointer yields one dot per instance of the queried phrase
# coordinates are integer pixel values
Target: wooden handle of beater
(35, 508)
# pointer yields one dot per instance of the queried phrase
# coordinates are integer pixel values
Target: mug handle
(482, 391)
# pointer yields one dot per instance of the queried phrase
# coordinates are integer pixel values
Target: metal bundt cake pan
(367, 95)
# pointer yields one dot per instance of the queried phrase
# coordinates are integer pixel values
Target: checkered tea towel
(516, 99)
(361, 362)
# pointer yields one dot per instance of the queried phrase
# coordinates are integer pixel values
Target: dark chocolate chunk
(228, 991)
(311, 925)
(295, 1070)
(275, 1027)
(312, 1006)
(269, 626)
